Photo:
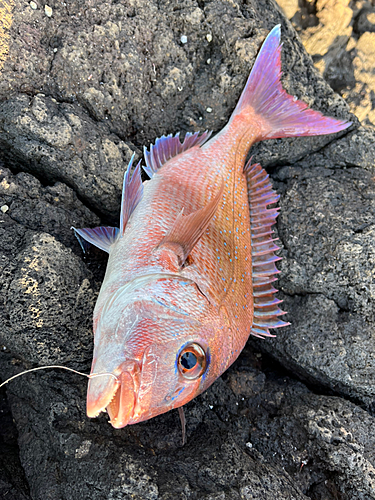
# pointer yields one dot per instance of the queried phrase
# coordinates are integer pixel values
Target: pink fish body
(190, 269)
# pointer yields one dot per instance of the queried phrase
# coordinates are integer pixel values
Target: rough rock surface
(83, 86)
(60, 142)
(327, 230)
(340, 37)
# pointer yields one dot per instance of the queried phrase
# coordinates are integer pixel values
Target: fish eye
(192, 361)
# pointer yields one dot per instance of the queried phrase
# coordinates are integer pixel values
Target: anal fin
(132, 191)
(166, 147)
(103, 237)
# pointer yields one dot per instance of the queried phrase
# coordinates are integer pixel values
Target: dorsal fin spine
(261, 194)
(259, 243)
(259, 261)
(269, 290)
(272, 301)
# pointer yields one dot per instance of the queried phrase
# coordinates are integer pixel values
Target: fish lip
(122, 405)
(99, 394)
(116, 396)
(113, 409)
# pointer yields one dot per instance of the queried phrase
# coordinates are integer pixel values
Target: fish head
(160, 346)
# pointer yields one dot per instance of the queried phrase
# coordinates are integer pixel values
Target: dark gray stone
(13, 483)
(365, 20)
(127, 68)
(144, 461)
(267, 436)
(323, 442)
(61, 143)
(327, 230)
(47, 293)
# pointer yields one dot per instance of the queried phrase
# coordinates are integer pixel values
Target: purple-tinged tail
(282, 114)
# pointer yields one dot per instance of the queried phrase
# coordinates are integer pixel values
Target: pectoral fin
(188, 229)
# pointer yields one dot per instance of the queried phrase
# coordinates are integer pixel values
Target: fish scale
(191, 268)
(216, 250)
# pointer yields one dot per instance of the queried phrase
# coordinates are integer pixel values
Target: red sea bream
(191, 267)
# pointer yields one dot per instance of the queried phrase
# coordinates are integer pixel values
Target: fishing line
(181, 414)
(93, 375)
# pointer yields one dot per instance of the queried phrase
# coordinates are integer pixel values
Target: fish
(191, 266)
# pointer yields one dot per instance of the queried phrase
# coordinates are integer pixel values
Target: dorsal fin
(166, 147)
(187, 229)
(132, 191)
(261, 194)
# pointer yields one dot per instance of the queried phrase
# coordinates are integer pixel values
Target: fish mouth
(116, 396)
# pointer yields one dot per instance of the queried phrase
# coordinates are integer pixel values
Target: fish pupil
(188, 360)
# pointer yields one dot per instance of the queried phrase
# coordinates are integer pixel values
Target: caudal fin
(283, 114)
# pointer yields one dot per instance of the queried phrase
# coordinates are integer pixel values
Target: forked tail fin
(283, 114)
